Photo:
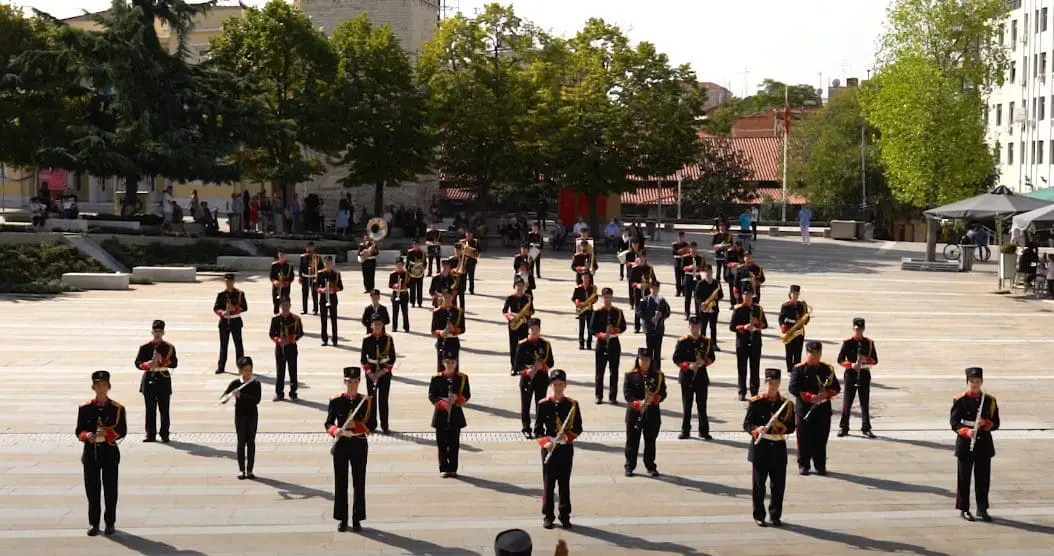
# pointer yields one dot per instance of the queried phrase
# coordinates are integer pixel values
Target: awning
(650, 196)
(458, 194)
(1001, 202)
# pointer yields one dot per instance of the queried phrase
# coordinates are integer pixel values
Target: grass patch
(38, 269)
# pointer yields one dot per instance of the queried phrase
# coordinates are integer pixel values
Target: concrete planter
(1007, 266)
(165, 273)
(245, 263)
(96, 280)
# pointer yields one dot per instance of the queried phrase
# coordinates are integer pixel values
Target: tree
(290, 66)
(824, 158)
(474, 72)
(937, 62)
(770, 96)
(725, 178)
(136, 110)
(381, 110)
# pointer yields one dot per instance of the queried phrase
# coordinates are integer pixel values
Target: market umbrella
(1041, 218)
(1001, 202)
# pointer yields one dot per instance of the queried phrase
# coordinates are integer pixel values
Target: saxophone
(521, 317)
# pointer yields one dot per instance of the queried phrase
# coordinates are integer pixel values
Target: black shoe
(342, 526)
(355, 526)
(303, 312)
(149, 439)
(93, 531)
(869, 434)
(453, 474)
(717, 347)
(804, 471)
(613, 401)
(445, 475)
(527, 434)
(629, 472)
(278, 399)
(984, 516)
(776, 522)
(821, 472)
(164, 439)
(109, 530)
(292, 396)
(742, 397)
(705, 436)
(843, 433)
(335, 343)
(684, 435)
(250, 476)
(325, 343)
(759, 522)
(513, 372)
(547, 523)
(220, 371)
(965, 514)
(589, 347)
(653, 472)
(315, 312)
(636, 330)
(385, 430)
(600, 401)
(581, 347)
(241, 476)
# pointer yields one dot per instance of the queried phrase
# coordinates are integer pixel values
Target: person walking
(804, 220)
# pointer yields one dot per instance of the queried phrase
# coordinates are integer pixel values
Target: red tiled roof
(458, 194)
(774, 193)
(651, 196)
(765, 155)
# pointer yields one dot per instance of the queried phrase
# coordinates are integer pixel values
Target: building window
(1043, 19)
(1039, 153)
(997, 153)
(1021, 159)
(1034, 103)
(999, 114)
(1041, 112)
(1013, 35)
(1032, 151)
(1024, 69)
(1002, 35)
(1036, 20)
(1009, 153)
(1042, 63)
(1013, 71)
(1035, 64)
(1010, 114)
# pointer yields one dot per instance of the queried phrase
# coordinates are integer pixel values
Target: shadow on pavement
(859, 542)
(411, 546)
(143, 545)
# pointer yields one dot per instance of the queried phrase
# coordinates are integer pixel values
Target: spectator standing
(611, 233)
(194, 206)
(755, 215)
(167, 203)
(804, 220)
(254, 213)
(744, 221)
(247, 222)
(579, 226)
(235, 213)
(295, 212)
(265, 212)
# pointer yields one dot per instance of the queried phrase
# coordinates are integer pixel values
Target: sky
(736, 44)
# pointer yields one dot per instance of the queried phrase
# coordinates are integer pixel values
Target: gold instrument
(417, 269)
(710, 301)
(377, 229)
(798, 327)
(823, 388)
(561, 436)
(587, 303)
(539, 360)
(468, 250)
(772, 421)
(462, 261)
(521, 317)
(645, 404)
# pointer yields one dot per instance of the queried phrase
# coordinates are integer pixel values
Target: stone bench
(245, 262)
(165, 273)
(96, 280)
(774, 231)
(908, 263)
(386, 256)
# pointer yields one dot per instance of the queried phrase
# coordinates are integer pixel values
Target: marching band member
(329, 285)
(368, 253)
(448, 323)
(584, 296)
(433, 246)
(310, 264)
(706, 288)
(377, 357)
(374, 309)
(281, 278)
(229, 306)
(679, 248)
(246, 393)
(286, 330)
(747, 321)
(442, 281)
(608, 322)
(449, 391)
(399, 281)
(623, 244)
(792, 312)
(769, 418)
(813, 384)
(974, 415)
(691, 266)
(721, 243)
(631, 259)
(733, 258)
(156, 358)
(644, 388)
(750, 270)
(458, 270)
(100, 424)
(654, 310)
(693, 354)
(534, 358)
(560, 420)
(525, 275)
(857, 356)
(584, 261)
(517, 302)
(470, 248)
(534, 239)
(640, 276)
(523, 258)
(350, 420)
(415, 263)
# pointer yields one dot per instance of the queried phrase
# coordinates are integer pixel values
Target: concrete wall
(412, 21)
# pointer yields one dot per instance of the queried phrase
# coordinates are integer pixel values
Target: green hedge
(144, 219)
(199, 253)
(39, 268)
(340, 256)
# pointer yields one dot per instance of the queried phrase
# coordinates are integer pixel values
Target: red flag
(786, 111)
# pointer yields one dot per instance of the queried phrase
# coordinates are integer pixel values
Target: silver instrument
(534, 252)
(560, 434)
(344, 427)
(621, 256)
(772, 421)
(977, 422)
(227, 397)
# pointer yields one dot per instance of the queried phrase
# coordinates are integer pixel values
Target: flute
(227, 397)
(344, 427)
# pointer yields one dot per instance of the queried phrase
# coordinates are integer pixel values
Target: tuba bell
(377, 229)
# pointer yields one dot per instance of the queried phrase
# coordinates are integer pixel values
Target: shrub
(39, 268)
(199, 253)
(340, 256)
(1008, 248)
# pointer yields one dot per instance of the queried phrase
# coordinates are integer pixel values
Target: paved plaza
(894, 493)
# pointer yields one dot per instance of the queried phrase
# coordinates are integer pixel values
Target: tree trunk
(378, 198)
(131, 196)
(593, 215)
(931, 240)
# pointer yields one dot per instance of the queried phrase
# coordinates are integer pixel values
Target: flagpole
(786, 132)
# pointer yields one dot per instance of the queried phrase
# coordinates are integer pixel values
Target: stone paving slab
(892, 494)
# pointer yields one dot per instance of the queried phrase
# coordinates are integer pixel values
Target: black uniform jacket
(864, 347)
(602, 319)
(370, 310)
(807, 381)
(964, 415)
(530, 350)
(282, 272)
(341, 405)
(687, 351)
(248, 397)
(759, 412)
(441, 387)
(743, 315)
(156, 382)
(637, 384)
(107, 418)
(553, 414)
(286, 327)
(378, 348)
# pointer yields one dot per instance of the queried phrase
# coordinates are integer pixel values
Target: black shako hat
(99, 376)
(514, 542)
(974, 372)
(352, 373)
(772, 374)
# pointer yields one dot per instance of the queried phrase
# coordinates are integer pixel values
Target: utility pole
(863, 165)
(746, 75)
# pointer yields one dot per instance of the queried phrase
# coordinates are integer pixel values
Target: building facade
(413, 21)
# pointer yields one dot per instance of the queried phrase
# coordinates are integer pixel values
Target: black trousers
(245, 427)
(416, 291)
(689, 290)
(380, 391)
(634, 300)
(369, 271)
(557, 473)
(792, 351)
(329, 312)
(401, 302)
(433, 256)
(538, 267)
(514, 341)
(711, 320)
(350, 452)
(731, 294)
(607, 358)
(470, 269)
(749, 356)
(230, 328)
(285, 357)
(532, 390)
(584, 336)
(449, 443)
(621, 271)
(812, 440)
(697, 391)
(100, 479)
(650, 431)
(981, 469)
(776, 474)
(853, 382)
(277, 294)
(156, 403)
(308, 286)
(678, 276)
(653, 341)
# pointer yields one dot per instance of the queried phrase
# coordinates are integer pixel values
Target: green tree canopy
(380, 109)
(770, 96)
